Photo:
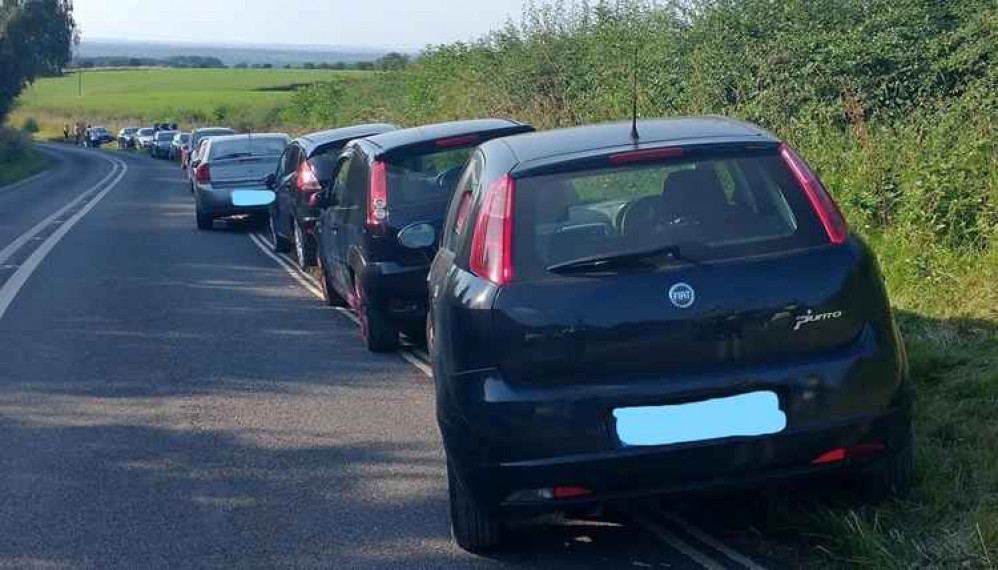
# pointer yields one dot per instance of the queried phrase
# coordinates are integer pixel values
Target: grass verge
(18, 158)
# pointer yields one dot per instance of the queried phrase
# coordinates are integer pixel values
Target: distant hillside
(229, 55)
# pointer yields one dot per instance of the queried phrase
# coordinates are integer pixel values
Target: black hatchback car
(305, 166)
(613, 318)
(380, 220)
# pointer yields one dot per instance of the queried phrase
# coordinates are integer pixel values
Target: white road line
(674, 541)
(418, 358)
(13, 285)
(17, 244)
(412, 356)
(710, 541)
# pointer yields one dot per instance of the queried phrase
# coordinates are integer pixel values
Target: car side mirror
(271, 181)
(418, 236)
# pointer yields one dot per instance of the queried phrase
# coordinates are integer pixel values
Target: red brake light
(458, 141)
(571, 492)
(377, 199)
(643, 155)
(833, 456)
(203, 173)
(492, 244)
(823, 204)
(308, 181)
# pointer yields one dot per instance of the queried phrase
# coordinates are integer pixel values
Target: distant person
(65, 133)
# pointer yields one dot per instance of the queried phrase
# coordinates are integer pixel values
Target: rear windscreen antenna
(635, 136)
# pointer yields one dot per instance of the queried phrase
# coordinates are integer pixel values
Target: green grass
(114, 98)
(18, 160)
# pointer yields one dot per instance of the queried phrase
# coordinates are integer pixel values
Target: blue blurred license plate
(747, 415)
(247, 198)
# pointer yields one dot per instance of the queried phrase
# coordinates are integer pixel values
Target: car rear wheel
(379, 335)
(280, 244)
(205, 221)
(474, 529)
(304, 247)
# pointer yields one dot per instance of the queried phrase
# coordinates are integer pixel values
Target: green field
(114, 98)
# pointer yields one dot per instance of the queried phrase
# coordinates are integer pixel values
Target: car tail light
(377, 205)
(571, 492)
(492, 244)
(467, 140)
(860, 451)
(203, 173)
(644, 155)
(826, 208)
(833, 456)
(308, 180)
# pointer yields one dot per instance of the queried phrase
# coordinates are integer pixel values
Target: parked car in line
(126, 137)
(179, 143)
(197, 137)
(161, 145)
(305, 168)
(615, 318)
(377, 230)
(231, 176)
(98, 136)
(143, 138)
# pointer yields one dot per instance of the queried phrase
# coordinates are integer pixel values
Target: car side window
(457, 215)
(357, 188)
(340, 183)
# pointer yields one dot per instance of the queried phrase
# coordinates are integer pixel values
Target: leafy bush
(31, 126)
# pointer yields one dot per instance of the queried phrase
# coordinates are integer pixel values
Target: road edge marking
(709, 540)
(312, 286)
(670, 538)
(7, 252)
(13, 286)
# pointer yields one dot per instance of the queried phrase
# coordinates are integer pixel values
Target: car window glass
(460, 205)
(357, 186)
(340, 184)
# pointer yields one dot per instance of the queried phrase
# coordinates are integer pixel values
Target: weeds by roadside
(18, 158)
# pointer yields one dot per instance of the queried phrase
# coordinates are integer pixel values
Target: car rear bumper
(218, 202)
(506, 439)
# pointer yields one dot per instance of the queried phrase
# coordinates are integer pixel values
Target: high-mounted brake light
(203, 173)
(492, 244)
(377, 200)
(308, 180)
(452, 142)
(633, 156)
(828, 211)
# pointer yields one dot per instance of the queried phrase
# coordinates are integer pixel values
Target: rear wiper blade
(603, 261)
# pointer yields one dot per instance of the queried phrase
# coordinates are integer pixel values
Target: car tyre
(893, 479)
(474, 529)
(280, 244)
(304, 247)
(206, 222)
(379, 335)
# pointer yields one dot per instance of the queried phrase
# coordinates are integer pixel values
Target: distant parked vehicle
(126, 137)
(306, 168)
(381, 218)
(231, 176)
(161, 144)
(180, 141)
(197, 137)
(98, 136)
(143, 138)
(621, 317)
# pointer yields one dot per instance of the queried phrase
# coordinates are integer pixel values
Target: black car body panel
(531, 373)
(357, 256)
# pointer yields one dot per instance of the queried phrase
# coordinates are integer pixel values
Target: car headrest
(693, 193)
(554, 200)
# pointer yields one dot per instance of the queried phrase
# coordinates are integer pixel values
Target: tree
(36, 39)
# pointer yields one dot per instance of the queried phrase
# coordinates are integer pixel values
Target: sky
(369, 23)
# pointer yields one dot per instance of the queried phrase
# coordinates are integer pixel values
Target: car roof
(205, 129)
(407, 137)
(546, 145)
(313, 141)
(247, 136)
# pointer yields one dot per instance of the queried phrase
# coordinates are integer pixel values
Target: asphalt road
(174, 398)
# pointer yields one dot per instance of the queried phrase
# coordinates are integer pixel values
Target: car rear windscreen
(145, 132)
(703, 207)
(426, 178)
(241, 148)
(164, 136)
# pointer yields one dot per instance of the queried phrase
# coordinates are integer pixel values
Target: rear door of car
(287, 171)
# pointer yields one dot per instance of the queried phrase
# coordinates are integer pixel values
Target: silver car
(143, 138)
(230, 178)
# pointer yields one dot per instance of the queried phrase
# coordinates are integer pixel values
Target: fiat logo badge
(682, 295)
